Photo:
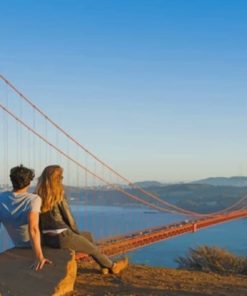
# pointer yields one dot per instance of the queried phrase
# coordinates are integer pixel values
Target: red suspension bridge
(31, 137)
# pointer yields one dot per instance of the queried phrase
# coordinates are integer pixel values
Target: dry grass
(139, 280)
(213, 259)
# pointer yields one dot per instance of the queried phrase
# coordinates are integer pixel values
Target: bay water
(106, 221)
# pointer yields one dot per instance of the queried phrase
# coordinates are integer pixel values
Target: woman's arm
(34, 233)
(68, 216)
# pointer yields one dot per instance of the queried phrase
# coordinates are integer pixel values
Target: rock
(18, 279)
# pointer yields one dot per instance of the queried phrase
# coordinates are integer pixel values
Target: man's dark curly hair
(21, 177)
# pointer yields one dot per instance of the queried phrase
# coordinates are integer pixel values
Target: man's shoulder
(34, 197)
(6, 194)
(35, 203)
(31, 195)
(31, 198)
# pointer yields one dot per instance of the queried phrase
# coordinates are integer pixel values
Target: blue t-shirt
(14, 210)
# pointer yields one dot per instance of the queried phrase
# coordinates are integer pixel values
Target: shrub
(213, 259)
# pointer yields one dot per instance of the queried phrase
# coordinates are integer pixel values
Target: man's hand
(39, 263)
(34, 233)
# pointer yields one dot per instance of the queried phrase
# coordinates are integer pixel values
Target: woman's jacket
(58, 217)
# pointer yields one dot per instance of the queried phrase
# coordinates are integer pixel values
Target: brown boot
(119, 265)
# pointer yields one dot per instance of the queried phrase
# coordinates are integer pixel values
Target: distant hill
(236, 181)
(146, 184)
(197, 197)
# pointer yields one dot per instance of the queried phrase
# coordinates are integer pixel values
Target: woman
(58, 225)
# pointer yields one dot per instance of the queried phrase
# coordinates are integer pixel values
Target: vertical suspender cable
(21, 142)
(68, 163)
(33, 145)
(6, 143)
(46, 146)
(57, 144)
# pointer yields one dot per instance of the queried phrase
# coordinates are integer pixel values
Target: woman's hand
(39, 263)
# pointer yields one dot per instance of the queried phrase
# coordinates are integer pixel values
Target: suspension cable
(131, 184)
(116, 187)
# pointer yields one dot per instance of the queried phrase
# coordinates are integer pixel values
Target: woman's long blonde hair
(50, 187)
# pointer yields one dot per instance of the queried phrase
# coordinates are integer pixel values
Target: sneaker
(105, 270)
(119, 265)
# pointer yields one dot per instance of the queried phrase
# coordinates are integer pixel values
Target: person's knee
(87, 235)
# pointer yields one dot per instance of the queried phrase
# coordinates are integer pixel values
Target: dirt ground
(145, 280)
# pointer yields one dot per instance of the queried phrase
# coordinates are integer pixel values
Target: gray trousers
(82, 242)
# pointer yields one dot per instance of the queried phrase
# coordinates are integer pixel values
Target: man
(19, 213)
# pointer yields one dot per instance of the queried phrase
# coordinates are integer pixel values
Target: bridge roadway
(125, 243)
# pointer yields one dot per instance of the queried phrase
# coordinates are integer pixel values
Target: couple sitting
(23, 214)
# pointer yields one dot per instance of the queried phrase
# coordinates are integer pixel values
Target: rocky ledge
(18, 279)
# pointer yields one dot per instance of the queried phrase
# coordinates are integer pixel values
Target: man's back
(14, 210)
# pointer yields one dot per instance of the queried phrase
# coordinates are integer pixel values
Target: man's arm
(34, 233)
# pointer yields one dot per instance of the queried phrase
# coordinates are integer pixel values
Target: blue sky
(155, 88)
